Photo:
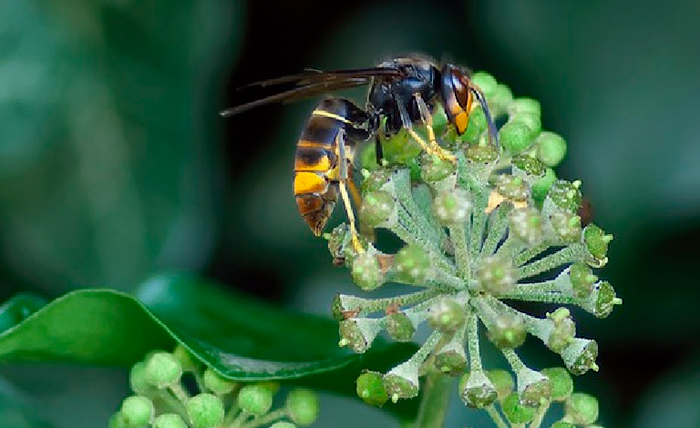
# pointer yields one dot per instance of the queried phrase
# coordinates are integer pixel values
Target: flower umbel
(495, 226)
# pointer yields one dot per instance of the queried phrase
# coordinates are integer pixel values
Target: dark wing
(312, 83)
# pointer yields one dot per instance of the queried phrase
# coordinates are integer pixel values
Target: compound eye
(460, 86)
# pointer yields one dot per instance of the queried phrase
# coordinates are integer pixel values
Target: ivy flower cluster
(494, 227)
(161, 399)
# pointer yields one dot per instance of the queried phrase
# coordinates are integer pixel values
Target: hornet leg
(427, 119)
(430, 149)
(342, 184)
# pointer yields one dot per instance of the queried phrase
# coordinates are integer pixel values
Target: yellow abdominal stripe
(309, 182)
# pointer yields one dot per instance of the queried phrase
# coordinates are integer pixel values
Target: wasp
(403, 93)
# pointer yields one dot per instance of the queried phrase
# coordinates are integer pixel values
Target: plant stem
(435, 401)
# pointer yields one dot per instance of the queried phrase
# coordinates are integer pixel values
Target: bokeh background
(114, 163)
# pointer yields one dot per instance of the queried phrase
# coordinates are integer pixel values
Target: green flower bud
(452, 207)
(582, 279)
(526, 224)
(217, 383)
(338, 245)
(562, 384)
(485, 82)
(511, 187)
(529, 166)
(188, 362)
(561, 424)
(551, 148)
(376, 180)
(368, 158)
(507, 331)
(446, 315)
(117, 421)
(451, 359)
(525, 105)
(541, 187)
(532, 121)
(302, 406)
(476, 390)
(283, 424)
(367, 272)
(596, 241)
(502, 381)
(534, 388)
(401, 382)
(205, 411)
(359, 333)
(515, 412)
(169, 420)
(377, 208)
(412, 265)
(137, 411)
(162, 370)
(515, 136)
(255, 399)
(500, 98)
(580, 356)
(400, 327)
(434, 169)
(566, 195)
(370, 388)
(496, 275)
(481, 154)
(566, 226)
(602, 300)
(563, 331)
(581, 409)
(138, 381)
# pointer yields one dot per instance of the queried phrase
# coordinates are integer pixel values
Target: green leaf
(238, 336)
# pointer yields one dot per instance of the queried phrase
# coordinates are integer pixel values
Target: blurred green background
(114, 164)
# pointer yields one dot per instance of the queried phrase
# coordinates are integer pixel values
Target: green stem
(496, 230)
(570, 254)
(496, 417)
(539, 416)
(273, 416)
(435, 401)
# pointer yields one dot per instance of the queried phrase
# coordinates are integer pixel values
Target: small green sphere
(502, 381)
(452, 207)
(566, 226)
(566, 195)
(485, 82)
(451, 362)
(353, 336)
(596, 240)
(582, 279)
(507, 331)
(515, 412)
(412, 264)
(434, 169)
(367, 272)
(476, 126)
(255, 399)
(377, 208)
(606, 299)
(205, 411)
(476, 390)
(370, 388)
(137, 411)
(302, 406)
(516, 136)
(562, 384)
(138, 381)
(399, 386)
(581, 409)
(525, 105)
(496, 275)
(162, 370)
(169, 420)
(526, 224)
(511, 187)
(216, 383)
(446, 315)
(479, 154)
(400, 327)
(551, 148)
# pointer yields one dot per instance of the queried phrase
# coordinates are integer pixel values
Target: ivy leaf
(238, 336)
